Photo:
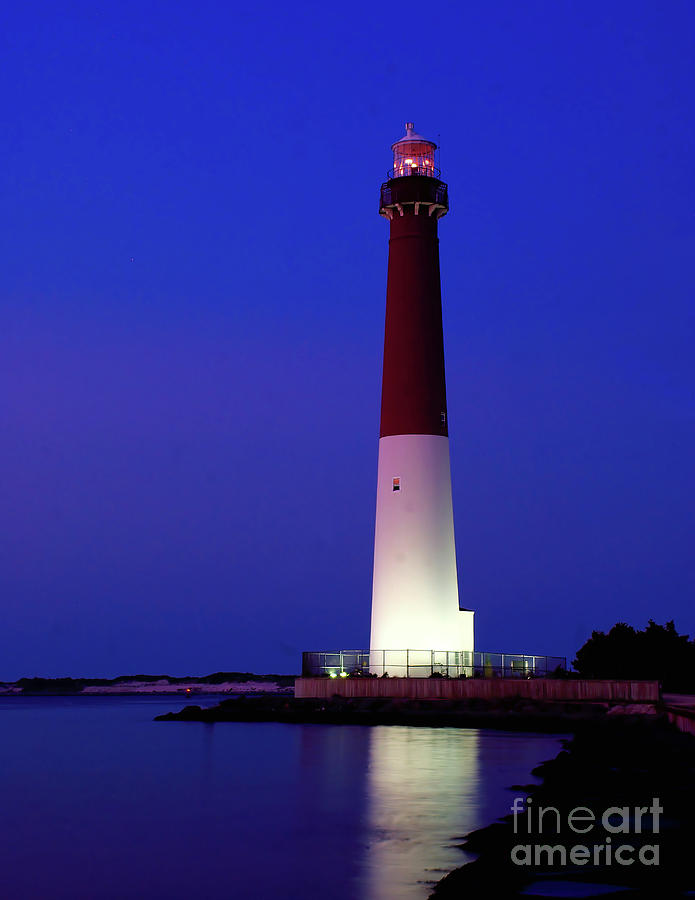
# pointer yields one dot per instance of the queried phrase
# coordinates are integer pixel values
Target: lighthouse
(416, 617)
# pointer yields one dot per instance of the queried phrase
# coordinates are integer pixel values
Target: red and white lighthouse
(415, 599)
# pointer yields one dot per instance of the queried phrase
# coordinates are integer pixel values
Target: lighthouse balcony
(420, 193)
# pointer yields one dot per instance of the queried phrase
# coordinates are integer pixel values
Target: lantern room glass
(413, 158)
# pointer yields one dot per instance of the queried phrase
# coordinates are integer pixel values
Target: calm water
(98, 801)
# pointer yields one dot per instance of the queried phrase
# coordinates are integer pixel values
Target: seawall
(548, 689)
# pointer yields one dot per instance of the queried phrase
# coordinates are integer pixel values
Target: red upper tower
(413, 399)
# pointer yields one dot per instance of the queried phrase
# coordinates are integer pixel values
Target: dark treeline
(657, 652)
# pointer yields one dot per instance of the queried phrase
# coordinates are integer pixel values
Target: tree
(656, 653)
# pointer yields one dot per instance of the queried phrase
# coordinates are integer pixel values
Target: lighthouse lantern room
(413, 155)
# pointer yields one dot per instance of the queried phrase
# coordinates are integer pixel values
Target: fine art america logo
(609, 835)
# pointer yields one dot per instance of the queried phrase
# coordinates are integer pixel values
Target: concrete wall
(483, 688)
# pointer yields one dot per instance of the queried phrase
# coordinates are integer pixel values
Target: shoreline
(511, 714)
(187, 685)
(185, 690)
(624, 764)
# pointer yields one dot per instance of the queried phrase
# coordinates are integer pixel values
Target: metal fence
(428, 664)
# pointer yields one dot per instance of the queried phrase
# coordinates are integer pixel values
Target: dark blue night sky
(191, 321)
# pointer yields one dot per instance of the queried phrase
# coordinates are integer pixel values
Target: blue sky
(191, 321)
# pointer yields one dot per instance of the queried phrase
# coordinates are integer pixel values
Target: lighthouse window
(396, 484)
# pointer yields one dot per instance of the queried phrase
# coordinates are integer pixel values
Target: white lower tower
(415, 597)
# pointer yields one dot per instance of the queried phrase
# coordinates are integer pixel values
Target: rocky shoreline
(624, 764)
(512, 713)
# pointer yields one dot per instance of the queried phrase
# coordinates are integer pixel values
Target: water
(98, 801)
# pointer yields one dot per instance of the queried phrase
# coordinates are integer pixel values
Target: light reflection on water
(115, 805)
(423, 790)
(426, 789)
